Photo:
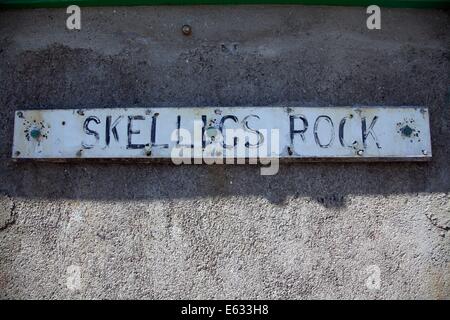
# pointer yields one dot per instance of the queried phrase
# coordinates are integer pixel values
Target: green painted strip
(65, 3)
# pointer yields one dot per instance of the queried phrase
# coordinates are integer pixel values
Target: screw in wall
(186, 30)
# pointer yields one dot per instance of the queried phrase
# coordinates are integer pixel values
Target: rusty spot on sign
(406, 131)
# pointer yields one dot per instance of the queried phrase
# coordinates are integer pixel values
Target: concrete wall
(317, 230)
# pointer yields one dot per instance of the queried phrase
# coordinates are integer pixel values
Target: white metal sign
(339, 133)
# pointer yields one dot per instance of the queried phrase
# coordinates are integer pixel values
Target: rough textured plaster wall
(92, 230)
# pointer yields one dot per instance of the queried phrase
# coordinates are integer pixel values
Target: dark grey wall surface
(314, 230)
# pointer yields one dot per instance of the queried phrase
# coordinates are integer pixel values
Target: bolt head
(186, 29)
(360, 152)
(35, 133)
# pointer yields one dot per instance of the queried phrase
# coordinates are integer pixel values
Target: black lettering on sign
(178, 132)
(316, 133)
(112, 128)
(294, 131)
(341, 132)
(131, 132)
(247, 128)
(153, 133)
(89, 131)
(222, 121)
(203, 131)
(366, 132)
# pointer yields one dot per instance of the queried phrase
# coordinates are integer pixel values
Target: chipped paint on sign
(340, 133)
